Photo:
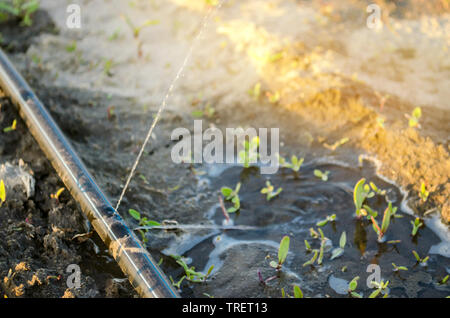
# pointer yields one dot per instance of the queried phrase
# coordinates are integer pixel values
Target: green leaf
(386, 218)
(353, 284)
(318, 173)
(135, 214)
(283, 250)
(209, 270)
(417, 113)
(416, 255)
(337, 252)
(358, 195)
(226, 191)
(152, 223)
(313, 259)
(343, 240)
(375, 293)
(356, 295)
(297, 292)
(308, 247)
(2, 192)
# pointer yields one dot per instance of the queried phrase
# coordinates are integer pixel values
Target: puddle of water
(304, 201)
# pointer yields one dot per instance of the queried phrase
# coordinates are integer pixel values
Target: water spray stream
(203, 26)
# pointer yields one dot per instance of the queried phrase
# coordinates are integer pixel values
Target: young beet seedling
(321, 175)
(338, 251)
(385, 223)
(416, 225)
(191, 274)
(143, 221)
(399, 268)
(352, 287)
(282, 253)
(361, 192)
(295, 164)
(270, 192)
(233, 196)
(379, 288)
(421, 261)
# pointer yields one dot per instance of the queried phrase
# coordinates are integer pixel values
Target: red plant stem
(380, 233)
(224, 211)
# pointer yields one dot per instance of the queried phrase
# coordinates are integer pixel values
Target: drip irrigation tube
(133, 259)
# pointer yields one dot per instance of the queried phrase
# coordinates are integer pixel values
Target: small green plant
(19, 9)
(399, 268)
(422, 261)
(329, 218)
(191, 274)
(352, 287)
(297, 292)
(338, 251)
(250, 152)
(269, 191)
(143, 221)
(233, 196)
(380, 287)
(2, 192)
(321, 175)
(295, 163)
(381, 231)
(415, 117)
(416, 225)
(283, 251)
(361, 192)
(12, 127)
(423, 194)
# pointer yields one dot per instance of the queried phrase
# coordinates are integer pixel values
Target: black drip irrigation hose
(133, 259)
